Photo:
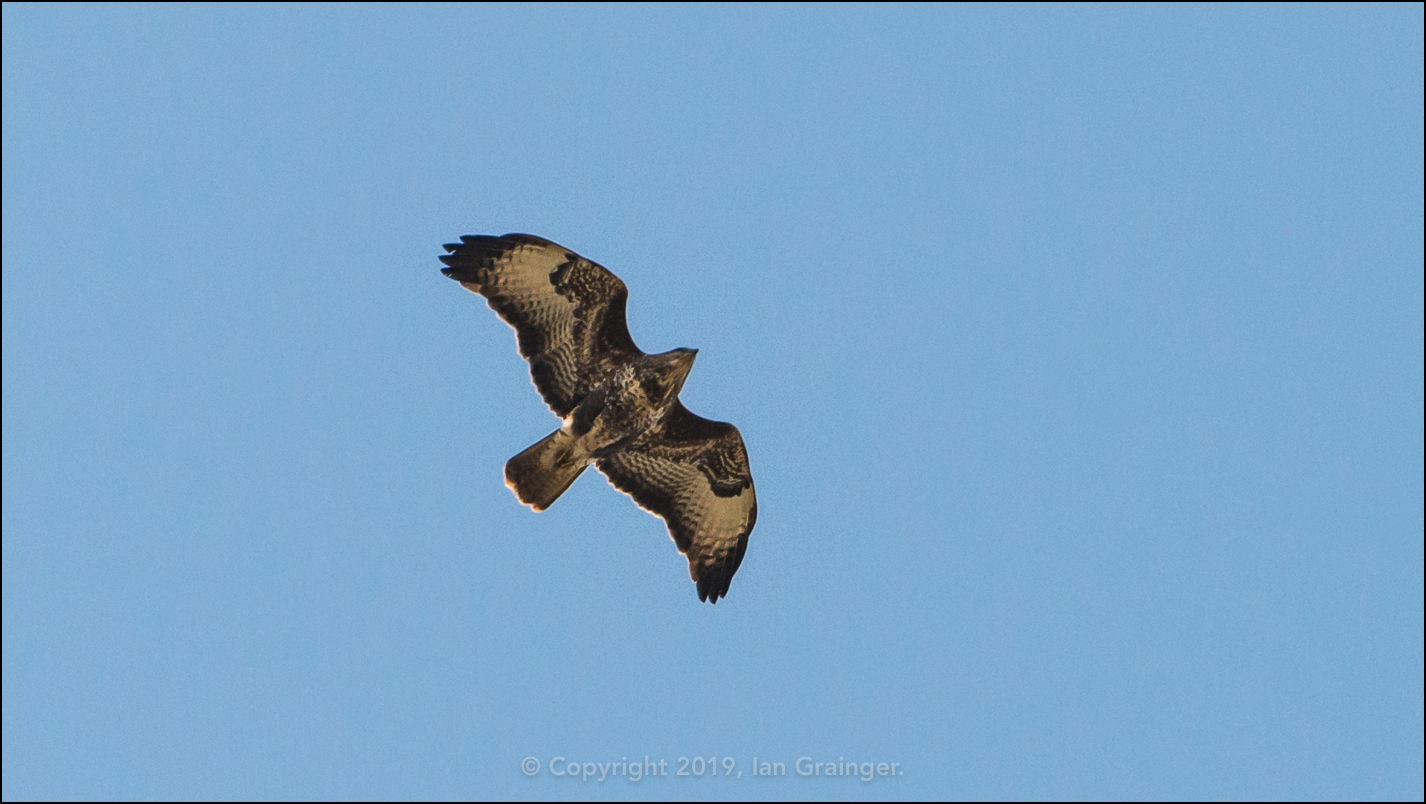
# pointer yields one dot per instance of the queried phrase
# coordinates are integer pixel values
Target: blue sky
(1078, 352)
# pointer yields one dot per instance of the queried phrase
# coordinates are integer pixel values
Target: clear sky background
(1078, 352)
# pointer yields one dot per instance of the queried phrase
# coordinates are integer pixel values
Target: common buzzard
(620, 406)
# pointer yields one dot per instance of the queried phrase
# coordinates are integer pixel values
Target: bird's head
(672, 369)
(683, 360)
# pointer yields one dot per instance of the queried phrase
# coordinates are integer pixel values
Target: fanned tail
(541, 473)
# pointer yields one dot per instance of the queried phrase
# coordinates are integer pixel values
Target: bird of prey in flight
(619, 406)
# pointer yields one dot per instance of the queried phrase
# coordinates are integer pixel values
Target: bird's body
(631, 401)
(619, 406)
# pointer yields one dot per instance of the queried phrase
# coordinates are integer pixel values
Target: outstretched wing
(568, 312)
(693, 473)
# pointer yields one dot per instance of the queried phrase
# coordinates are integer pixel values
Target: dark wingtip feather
(711, 587)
